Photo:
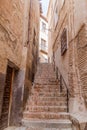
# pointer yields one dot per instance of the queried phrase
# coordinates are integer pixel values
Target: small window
(43, 27)
(56, 16)
(43, 45)
(34, 37)
(64, 41)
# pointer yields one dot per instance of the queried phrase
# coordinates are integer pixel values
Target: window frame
(64, 41)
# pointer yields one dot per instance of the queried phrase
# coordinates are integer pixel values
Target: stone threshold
(79, 120)
(15, 128)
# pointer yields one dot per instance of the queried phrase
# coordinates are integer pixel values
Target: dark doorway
(6, 106)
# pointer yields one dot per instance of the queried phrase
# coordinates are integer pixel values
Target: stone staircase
(46, 108)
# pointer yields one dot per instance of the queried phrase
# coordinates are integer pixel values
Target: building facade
(32, 45)
(43, 40)
(18, 46)
(67, 50)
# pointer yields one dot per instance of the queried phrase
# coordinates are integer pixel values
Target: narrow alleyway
(46, 107)
(43, 65)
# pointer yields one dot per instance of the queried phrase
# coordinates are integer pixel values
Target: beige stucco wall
(18, 21)
(11, 32)
(32, 45)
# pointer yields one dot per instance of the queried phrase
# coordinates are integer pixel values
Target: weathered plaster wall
(32, 45)
(18, 22)
(11, 37)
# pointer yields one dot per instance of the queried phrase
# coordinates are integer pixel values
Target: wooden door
(6, 98)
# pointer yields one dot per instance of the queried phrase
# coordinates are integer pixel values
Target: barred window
(64, 42)
(43, 27)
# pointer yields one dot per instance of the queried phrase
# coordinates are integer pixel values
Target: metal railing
(63, 86)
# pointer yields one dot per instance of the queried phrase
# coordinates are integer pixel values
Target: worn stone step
(34, 128)
(51, 76)
(46, 115)
(47, 123)
(46, 94)
(44, 82)
(46, 109)
(45, 71)
(45, 87)
(47, 103)
(40, 128)
(48, 98)
(46, 77)
(16, 128)
(46, 90)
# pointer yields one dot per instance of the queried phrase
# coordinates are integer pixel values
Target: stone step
(48, 68)
(45, 73)
(45, 87)
(46, 109)
(45, 82)
(16, 128)
(47, 124)
(48, 98)
(48, 76)
(40, 128)
(34, 128)
(45, 70)
(46, 90)
(46, 115)
(43, 77)
(46, 94)
(47, 103)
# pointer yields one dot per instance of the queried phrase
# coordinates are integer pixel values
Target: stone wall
(19, 36)
(82, 56)
(11, 37)
(72, 64)
(32, 45)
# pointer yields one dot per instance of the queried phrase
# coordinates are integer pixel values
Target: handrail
(62, 82)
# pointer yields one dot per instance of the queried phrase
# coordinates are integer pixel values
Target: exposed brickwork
(82, 56)
(17, 98)
(73, 64)
(2, 83)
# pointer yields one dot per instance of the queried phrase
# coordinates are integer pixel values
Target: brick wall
(72, 64)
(82, 58)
